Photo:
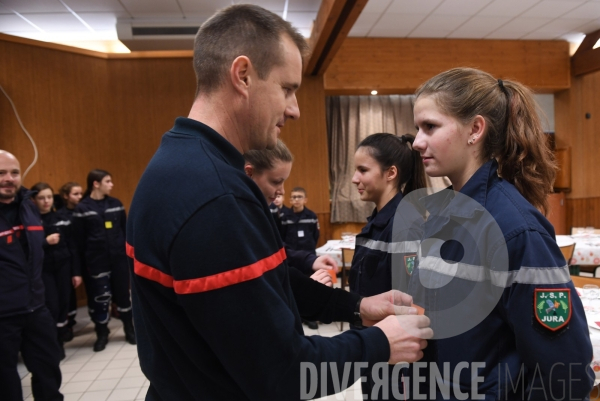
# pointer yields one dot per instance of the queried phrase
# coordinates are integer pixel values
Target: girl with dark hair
(61, 270)
(386, 169)
(100, 221)
(485, 135)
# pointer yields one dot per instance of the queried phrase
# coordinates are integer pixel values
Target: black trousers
(58, 286)
(108, 286)
(34, 334)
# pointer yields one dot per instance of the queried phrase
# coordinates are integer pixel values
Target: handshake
(407, 331)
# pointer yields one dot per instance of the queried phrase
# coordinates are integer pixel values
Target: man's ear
(249, 170)
(240, 72)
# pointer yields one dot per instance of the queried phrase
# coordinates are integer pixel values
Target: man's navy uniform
(513, 354)
(300, 230)
(26, 325)
(61, 262)
(212, 261)
(99, 227)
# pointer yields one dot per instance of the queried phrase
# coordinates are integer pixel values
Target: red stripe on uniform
(147, 271)
(230, 277)
(213, 282)
(35, 228)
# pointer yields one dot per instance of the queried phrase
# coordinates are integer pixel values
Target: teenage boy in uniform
(300, 226)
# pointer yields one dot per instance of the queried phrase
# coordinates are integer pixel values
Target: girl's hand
(53, 239)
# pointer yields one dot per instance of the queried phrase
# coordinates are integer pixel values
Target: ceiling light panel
(35, 6)
(80, 6)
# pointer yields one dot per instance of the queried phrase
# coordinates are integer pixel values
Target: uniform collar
(476, 188)
(382, 218)
(230, 154)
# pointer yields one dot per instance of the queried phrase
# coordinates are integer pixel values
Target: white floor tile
(95, 395)
(71, 367)
(131, 382)
(78, 387)
(134, 371)
(73, 397)
(126, 394)
(104, 385)
(85, 376)
(119, 363)
(94, 365)
(112, 374)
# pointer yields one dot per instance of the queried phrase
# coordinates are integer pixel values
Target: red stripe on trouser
(213, 282)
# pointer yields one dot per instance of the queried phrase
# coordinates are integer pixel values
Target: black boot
(102, 334)
(129, 331)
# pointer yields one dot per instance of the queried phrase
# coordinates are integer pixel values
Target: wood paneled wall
(400, 65)
(583, 213)
(87, 112)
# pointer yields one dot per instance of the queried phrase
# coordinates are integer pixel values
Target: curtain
(350, 119)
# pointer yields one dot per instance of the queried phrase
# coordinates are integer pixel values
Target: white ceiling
(72, 21)
(479, 19)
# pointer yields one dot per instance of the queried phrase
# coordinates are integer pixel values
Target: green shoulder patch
(409, 263)
(552, 307)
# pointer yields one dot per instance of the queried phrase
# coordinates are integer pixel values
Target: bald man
(25, 323)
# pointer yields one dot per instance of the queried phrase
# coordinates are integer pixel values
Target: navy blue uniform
(25, 323)
(99, 226)
(61, 262)
(300, 230)
(213, 261)
(371, 269)
(510, 354)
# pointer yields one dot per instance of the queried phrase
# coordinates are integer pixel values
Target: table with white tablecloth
(334, 247)
(587, 248)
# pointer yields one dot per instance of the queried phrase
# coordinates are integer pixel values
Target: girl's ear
(391, 173)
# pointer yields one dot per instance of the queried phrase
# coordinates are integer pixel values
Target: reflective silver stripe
(72, 313)
(285, 222)
(105, 274)
(503, 279)
(62, 223)
(63, 324)
(308, 221)
(123, 309)
(389, 247)
(114, 209)
(85, 214)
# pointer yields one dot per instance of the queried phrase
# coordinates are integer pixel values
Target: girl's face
(271, 181)
(104, 186)
(368, 177)
(74, 197)
(44, 200)
(278, 200)
(442, 141)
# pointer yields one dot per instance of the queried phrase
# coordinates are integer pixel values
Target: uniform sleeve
(233, 275)
(319, 302)
(554, 359)
(301, 259)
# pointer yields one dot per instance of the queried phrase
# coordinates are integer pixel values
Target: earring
(470, 141)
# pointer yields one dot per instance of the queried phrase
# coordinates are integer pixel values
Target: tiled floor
(114, 374)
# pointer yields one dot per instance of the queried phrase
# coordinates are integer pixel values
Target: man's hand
(323, 277)
(378, 307)
(407, 336)
(325, 262)
(76, 280)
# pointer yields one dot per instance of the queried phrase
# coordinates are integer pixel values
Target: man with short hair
(214, 301)
(26, 324)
